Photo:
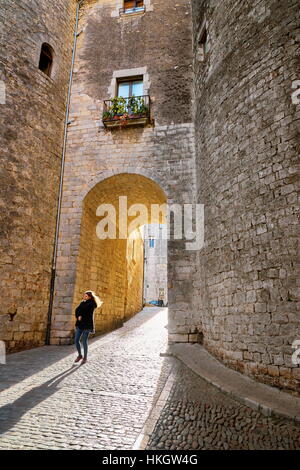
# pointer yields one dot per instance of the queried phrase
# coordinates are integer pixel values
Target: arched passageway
(114, 267)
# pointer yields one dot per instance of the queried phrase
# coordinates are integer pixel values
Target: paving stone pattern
(47, 402)
(198, 416)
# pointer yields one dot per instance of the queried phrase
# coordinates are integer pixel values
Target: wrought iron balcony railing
(120, 112)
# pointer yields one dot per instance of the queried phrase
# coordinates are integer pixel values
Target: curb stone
(184, 353)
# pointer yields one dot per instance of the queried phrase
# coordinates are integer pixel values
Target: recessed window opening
(131, 6)
(203, 45)
(46, 59)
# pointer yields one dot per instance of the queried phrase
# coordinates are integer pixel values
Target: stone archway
(113, 267)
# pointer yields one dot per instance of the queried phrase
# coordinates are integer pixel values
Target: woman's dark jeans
(84, 334)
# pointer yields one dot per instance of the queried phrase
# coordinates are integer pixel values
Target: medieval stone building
(217, 123)
(32, 123)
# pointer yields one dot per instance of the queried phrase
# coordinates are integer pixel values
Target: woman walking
(85, 322)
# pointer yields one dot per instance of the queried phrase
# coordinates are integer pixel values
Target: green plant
(133, 105)
(137, 105)
(143, 109)
(106, 116)
(118, 105)
(123, 109)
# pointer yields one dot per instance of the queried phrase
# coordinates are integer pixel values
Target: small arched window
(203, 44)
(46, 59)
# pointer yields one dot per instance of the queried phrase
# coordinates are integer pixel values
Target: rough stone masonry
(224, 132)
(247, 146)
(32, 122)
(112, 47)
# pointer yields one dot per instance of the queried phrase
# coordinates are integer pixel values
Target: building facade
(186, 102)
(155, 263)
(149, 163)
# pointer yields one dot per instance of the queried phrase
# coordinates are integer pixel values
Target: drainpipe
(53, 269)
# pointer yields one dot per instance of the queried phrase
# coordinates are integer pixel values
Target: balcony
(122, 112)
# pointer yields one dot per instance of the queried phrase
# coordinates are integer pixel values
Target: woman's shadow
(11, 413)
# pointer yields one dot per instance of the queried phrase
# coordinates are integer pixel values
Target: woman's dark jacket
(85, 310)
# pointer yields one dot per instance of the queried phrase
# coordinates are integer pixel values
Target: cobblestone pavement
(199, 416)
(47, 402)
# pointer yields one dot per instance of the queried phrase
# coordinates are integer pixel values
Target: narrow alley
(48, 402)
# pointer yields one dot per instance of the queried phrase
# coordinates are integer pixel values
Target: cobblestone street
(199, 416)
(47, 402)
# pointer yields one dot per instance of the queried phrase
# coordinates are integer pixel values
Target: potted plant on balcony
(125, 109)
(133, 105)
(118, 107)
(137, 107)
(106, 116)
(143, 109)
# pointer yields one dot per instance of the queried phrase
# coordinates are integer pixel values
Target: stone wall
(247, 137)
(134, 274)
(241, 292)
(31, 121)
(110, 46)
